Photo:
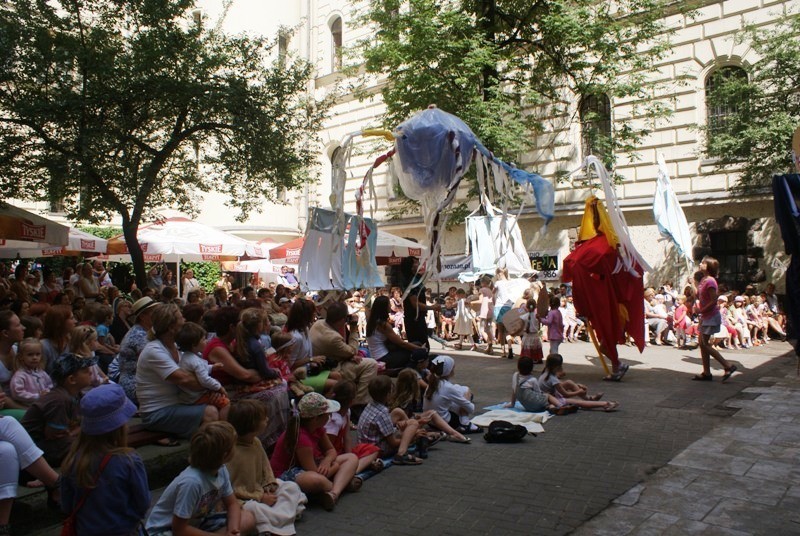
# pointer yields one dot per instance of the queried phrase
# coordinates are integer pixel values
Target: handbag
(70, 526)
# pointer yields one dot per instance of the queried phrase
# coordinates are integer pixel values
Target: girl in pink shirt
(30, 381)
(555, 325)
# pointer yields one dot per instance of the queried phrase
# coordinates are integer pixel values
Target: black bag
(505, 432)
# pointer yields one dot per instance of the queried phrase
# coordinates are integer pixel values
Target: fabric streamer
(669, 216)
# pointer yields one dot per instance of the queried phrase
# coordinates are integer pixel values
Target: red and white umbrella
(20, 225)
(390, 250)
(79, 243)
(181, 239)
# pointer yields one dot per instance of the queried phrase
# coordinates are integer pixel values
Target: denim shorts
(291, 474)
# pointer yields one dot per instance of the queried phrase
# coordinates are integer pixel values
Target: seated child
(278, 357)
(193, 499)
(304, 453)
(338, 430)
(30, 382)
(568, 392)
(53, 420)
(451, 401)
(407, 403)
(82, 343)
(377, 427)
(117, 501)
(525, 390)
(191, 341)
(275, 504)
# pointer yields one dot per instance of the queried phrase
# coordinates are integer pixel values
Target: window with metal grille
(595, 117)
(723, 100)
(730, 249)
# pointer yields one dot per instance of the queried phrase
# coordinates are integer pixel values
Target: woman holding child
(244, 382)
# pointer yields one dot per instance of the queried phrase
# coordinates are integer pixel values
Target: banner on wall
(452, 265)
(547, 263)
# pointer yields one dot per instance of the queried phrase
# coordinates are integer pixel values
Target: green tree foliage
(506, 66)
(124, 107)
(757, 114)
(206, 273)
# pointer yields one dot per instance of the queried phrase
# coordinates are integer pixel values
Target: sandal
(471, 428)
(611, 406)
(168, 442)
(729, 373)
(702, 377)
(566, 409)
(329, 500)
(454, 439)
(406, 459)
(435, 438)
(617, 376)
(596, 397)
(355, 484)
(376, 466)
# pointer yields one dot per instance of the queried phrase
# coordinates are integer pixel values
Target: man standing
(335, 337)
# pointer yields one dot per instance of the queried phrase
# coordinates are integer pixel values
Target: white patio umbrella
(17, 224)
(79, 243)
(181, 239)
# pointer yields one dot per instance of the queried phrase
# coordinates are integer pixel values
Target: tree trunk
(487, 15)
(130, 230)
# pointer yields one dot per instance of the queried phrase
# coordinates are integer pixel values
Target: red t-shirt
(218, 374)
(282, 460)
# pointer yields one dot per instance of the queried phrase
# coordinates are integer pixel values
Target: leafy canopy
(506, 67)
(126, 106)
(759, 112)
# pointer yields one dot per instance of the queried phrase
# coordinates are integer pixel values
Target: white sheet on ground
(531, 421)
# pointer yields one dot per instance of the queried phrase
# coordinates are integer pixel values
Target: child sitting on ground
(338, 429)
(278, 358)
(275, 504)
(451, 401)
(525, 389)
(407, 403)
(192, 500)
(531, 343)
(105, 483)
(30, 382)
(304, 453)
(376, 426)
(191, 341)
(52, 421)
(567, 392)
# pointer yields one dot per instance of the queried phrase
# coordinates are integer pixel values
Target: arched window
(595, 117)
(724, 98)
(336, 44)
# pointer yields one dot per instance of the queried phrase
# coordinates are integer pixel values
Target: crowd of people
(268, 384)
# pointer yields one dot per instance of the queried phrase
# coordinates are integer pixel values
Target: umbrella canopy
(18, 224)
(390, 250)
(80, 243)
(181, 239)
(668, 213)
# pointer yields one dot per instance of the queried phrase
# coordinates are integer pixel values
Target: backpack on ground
(505, 432)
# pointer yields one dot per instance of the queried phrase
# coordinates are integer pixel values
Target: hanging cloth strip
(359, 269)
(669, 216)
(320, 266)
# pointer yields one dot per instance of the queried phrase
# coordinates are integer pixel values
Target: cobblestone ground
(558, 481)
(555, 482)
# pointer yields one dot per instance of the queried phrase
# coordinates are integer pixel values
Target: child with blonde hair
(275, 504)
(202, 497)
(191, 341)
(30, 381)
(278, 359)
(82, 343)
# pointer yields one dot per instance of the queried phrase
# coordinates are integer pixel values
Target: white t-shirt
(152, 388)
(448, 397)
(504, 294)
(377, 345)
(201, 369)
(301, 349)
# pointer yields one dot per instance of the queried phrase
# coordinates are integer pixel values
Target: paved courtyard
(679, 457)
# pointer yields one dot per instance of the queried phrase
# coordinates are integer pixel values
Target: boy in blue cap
(53, 420)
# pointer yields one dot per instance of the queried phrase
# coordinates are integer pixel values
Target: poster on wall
(547, 264)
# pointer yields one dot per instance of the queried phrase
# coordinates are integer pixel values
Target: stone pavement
(679, 457)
